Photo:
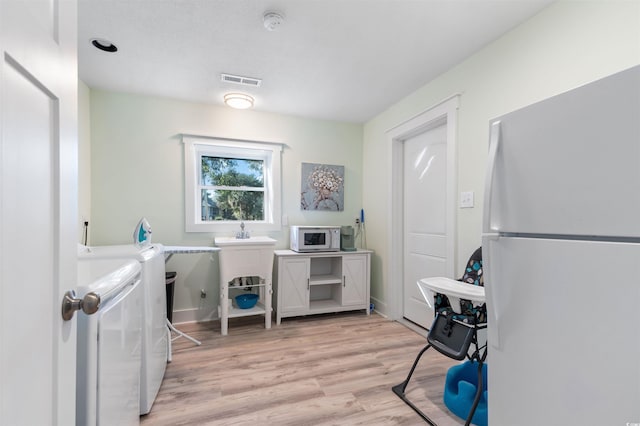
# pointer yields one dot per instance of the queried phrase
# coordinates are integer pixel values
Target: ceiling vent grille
(238, 79)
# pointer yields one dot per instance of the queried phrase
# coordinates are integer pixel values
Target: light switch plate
(466, 200)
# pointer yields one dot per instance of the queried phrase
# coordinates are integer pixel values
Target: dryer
(109, 350)
(154, 312)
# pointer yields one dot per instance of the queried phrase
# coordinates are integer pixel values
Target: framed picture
(322, 187)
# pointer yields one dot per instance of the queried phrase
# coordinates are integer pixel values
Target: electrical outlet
(466, 200)
(357, 221)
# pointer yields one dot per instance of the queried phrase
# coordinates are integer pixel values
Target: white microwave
(315, 238)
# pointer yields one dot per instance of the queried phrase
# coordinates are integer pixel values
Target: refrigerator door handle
(494, 143)
(493, 315)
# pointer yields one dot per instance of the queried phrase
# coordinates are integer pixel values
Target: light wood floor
(333, 369)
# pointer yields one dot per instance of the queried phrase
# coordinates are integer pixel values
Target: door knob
(89, 304)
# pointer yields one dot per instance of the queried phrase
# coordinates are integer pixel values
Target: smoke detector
(273, 20)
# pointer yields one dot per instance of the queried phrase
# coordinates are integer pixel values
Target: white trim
(453, 98)
(444, 112)
(273, 181)
(413, 327)
(380, 306)
(217, 140)
(186, 316)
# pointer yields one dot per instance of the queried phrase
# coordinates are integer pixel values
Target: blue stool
(460, 390)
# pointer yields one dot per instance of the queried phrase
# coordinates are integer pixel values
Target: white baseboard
(413, 327)
(184, 316)
(379, 307)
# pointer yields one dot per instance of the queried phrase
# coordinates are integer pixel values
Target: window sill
(217, 227)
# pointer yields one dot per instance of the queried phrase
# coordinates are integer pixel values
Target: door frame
(442, 113)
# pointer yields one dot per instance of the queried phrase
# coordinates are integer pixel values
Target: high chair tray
(450, 287)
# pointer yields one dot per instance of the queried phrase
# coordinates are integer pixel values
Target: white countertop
(189, 249)
(232, 241)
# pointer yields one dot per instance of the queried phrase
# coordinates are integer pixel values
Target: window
(229, 181)
(231, 188)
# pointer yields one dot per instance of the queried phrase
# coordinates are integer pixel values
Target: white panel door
(38, 210)
(425, 217)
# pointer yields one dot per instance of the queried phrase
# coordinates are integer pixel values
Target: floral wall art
(322, 187)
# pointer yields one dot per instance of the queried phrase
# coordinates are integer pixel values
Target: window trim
(196, 146)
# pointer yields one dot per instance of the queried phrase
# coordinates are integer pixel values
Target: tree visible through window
(232, 189)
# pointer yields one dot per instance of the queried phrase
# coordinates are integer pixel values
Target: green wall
(566, 45)
(137, 169)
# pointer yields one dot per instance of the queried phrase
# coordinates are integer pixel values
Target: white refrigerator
(561, 251)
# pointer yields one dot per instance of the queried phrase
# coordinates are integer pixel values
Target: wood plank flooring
(335, 369)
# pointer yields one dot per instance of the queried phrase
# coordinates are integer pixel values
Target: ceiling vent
(238, 79)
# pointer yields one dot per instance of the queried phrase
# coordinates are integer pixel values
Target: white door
(425, 217)
(423, 167)
(38, 210)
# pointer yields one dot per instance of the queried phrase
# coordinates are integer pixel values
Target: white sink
(245, 257)
(253, 241)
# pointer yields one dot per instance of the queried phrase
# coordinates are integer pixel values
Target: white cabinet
(315, 283)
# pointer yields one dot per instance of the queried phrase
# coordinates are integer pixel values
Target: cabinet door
(293, 284)
(355, 282)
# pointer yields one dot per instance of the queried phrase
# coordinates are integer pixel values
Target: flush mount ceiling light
(238, 100)
(272, 20)
(104, 45)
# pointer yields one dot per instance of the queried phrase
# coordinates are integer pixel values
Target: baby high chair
(460, 313)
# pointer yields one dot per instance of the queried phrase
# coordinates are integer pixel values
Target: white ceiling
(345, 60)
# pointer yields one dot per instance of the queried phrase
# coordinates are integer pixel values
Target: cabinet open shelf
(325, 279)
(242, 287)
(256, 310)
(326, 292)
(324, 305)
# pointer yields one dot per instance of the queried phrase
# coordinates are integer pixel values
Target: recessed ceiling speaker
(104, 45)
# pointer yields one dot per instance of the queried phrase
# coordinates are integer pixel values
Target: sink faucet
(242, 235)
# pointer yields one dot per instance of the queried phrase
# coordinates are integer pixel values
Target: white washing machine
(154, 319)
(109, 351)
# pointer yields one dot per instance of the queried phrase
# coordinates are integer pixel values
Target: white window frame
(197, 146)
